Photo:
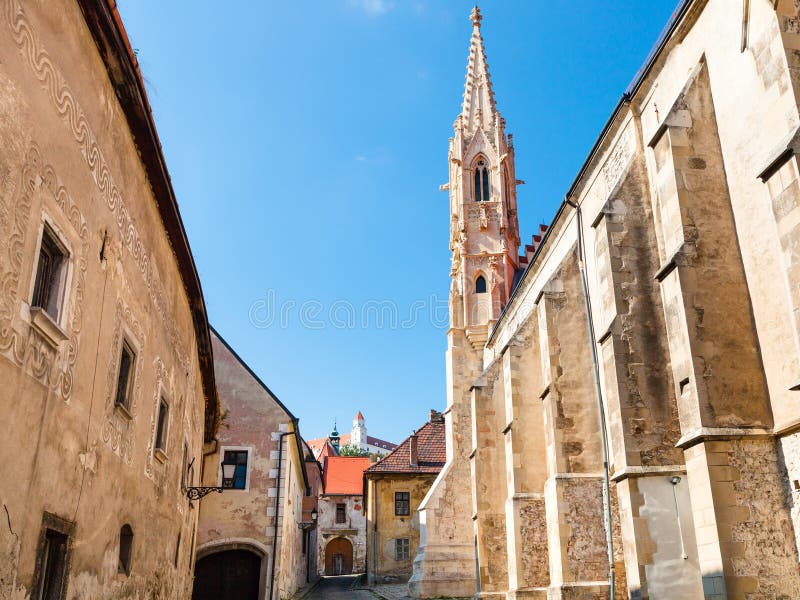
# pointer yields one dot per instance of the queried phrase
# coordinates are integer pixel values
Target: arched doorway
(339, 557)
(227, 575)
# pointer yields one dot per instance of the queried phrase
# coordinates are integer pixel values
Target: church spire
(479, 106)
(484, 232)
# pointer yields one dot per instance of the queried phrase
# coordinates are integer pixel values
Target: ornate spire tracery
(479, 105)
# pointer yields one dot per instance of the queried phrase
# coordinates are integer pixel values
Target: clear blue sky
(306, 142)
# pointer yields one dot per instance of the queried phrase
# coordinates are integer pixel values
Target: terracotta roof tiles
(343, 474)
(431, 453)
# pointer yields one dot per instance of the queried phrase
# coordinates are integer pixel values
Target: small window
(49, 274)
(402, 549)
(480, 285)
(402, 503)
(53, 565)
(341, 513)
(125, 549)
(177, 556)
(238, 458)
(481, 182)
(125, 376)
(184, 466)
(163, 424)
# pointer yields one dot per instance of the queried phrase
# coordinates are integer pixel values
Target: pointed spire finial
(475, 16)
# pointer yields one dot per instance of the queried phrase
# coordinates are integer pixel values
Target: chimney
(436, 417)
(412, 450)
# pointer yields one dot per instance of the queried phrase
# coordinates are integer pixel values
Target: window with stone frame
(402, 549)
(127, 361)
(402, 504)
(162, 426)
(51, 267)
(480, 285)
(341, 513)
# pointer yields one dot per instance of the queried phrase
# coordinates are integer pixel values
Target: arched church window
(481, 181)
(480, 285)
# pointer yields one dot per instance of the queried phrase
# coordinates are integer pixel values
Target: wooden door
(228, 575)
(339, 557)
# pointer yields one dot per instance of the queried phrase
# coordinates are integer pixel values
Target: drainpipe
(599, 396)
(277, 512)
(375, 536)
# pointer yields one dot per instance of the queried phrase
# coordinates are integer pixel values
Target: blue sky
(306, 142)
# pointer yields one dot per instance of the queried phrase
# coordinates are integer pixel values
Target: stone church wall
(686, 213)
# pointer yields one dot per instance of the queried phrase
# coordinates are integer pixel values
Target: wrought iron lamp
(228, 476)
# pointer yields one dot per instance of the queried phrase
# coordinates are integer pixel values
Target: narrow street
(345, 587)
(339, 588)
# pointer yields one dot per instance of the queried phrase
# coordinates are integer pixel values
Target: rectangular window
(163, 424)
(49, 274)
(402, 549)
(341, 513)
(238, 458)
(402, 501)
(184, 466)
(125, 376)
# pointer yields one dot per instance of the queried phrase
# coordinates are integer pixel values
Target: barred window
(402, 501)
(341, 513)
(402, 549)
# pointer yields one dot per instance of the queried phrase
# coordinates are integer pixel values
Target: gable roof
(431, 453)
(343, 474)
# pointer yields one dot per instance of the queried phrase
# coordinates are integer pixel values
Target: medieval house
(623, 398)
(254, 538)
(105, 352)
(394, 487)
(341, 523)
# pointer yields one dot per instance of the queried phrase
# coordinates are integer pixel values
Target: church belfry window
(481, 182)
(480, 285)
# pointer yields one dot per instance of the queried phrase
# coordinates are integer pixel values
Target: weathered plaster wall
(354, 529)
(67, 158)
(254, 421)
(384, 527)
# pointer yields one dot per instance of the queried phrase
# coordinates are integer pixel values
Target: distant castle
(357, 437)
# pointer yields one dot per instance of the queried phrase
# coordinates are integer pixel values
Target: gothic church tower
(484, 231)
(484, 239)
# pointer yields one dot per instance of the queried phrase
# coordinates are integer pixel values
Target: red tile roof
(343, 474)
(359, 416)
(431, 453)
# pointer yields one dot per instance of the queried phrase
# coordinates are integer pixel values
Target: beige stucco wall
(384, 527)
(67, 158)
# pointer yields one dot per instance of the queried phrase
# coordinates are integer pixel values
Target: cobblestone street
(347, 587)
